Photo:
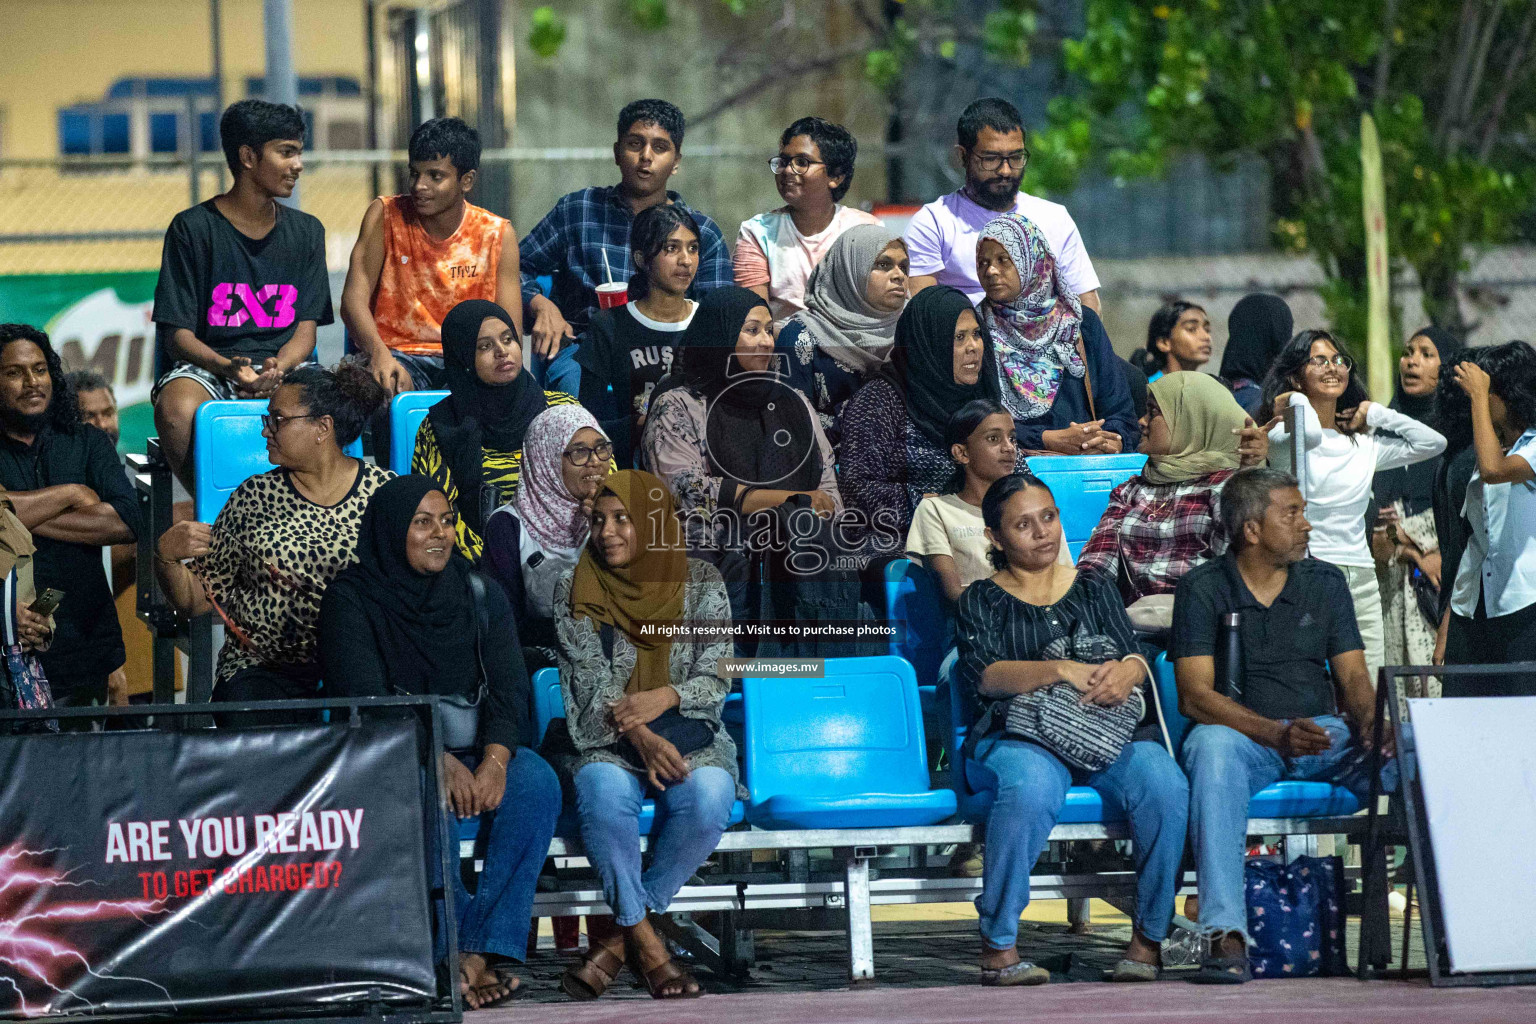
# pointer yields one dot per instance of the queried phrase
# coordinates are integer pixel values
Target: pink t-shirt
(771, 251)
(941, 241)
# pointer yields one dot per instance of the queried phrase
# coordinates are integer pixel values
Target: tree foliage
(1450, 84)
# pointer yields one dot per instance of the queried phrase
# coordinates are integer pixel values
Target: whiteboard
(1477, 769)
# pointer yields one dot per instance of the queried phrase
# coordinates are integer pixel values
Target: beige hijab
(1201, 415)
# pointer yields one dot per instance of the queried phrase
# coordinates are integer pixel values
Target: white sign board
(1477, 768)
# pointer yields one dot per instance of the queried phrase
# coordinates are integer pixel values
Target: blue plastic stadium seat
(227, 450)
(1081, 484)
(925, 626)
(405, 415)
(843, 751)
(549, 704)
(1281, 800)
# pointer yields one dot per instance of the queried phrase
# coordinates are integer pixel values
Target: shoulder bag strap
(1087, 375)
(482, 627)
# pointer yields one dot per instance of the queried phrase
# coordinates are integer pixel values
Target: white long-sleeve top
(1340, 469)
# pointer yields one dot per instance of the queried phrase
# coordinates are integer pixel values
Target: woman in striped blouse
(1035, 624)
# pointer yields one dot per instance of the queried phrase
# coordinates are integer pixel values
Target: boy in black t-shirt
(243, 282)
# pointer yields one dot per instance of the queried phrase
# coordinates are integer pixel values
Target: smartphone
(48, 601)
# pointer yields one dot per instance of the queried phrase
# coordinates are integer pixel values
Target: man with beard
(68, 489)
(941, 237)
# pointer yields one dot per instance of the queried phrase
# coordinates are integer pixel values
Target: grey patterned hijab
(838, 317)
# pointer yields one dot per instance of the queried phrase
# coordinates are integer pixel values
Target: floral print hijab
(1035, 334)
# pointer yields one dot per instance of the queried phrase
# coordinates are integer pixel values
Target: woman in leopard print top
(283, 536)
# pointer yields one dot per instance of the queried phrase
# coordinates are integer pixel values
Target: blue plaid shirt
(569, 243)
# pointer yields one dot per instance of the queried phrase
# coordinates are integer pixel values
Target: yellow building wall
(60, 52)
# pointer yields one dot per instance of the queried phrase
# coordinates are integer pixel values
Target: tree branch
(1474, 80)
(774, 75)
(1513, 70)
(1384, 55)
(1466, 41)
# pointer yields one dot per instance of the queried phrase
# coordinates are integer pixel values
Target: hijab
(838, 316)
(1201, 415)
(757, 429)
(545, 506)
(477, 415)
(649, 589)
(1414, 484)
(1037, 331)
(1257, 329)
(923, 361)
(424, 624)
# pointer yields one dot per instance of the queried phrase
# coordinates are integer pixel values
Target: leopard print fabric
(273, 554)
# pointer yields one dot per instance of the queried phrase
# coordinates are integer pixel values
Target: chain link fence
(67, 216)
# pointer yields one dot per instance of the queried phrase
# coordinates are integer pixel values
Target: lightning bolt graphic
(33, 957)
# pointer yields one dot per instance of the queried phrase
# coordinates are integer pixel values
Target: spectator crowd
(668, 430)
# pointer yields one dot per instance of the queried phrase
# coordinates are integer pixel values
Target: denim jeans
(1029, 785)
(1225, 770)
(516, 837)
(692, 815)
(562, 373)
(426, 371)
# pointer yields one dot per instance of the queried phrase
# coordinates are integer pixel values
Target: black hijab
(923, 361)
(757, 429)
(1415, 484)
(1257, 329)
(424, 625)
(476, 415)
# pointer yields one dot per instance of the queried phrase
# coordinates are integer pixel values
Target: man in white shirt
(941, 237)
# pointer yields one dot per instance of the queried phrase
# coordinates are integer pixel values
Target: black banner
(212, 870)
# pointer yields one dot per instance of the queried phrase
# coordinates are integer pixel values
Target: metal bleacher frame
(735, 888)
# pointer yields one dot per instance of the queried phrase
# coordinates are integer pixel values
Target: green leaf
(651, 15)
(882, 68)
(547, 32)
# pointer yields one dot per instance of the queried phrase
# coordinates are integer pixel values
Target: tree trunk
(1441, 281)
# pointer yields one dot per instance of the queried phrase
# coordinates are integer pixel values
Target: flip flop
(1135, 970)
(1021, 973)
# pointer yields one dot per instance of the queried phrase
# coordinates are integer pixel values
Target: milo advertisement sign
(98, 322)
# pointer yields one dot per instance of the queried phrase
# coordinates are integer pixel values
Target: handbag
(1296, 917)
(24, 677)
(686, 734)
(459, 713)
(1086, 736)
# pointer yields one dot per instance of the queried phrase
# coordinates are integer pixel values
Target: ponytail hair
(1161, 326)
(992, 508)
(648, 236)
(348, 395)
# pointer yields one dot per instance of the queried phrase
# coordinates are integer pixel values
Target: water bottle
(1231, 681)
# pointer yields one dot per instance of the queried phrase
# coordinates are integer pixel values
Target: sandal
(592, 975)
(1021, 973)
(665, 974)
(1135, 970)
(500, 978)
(1223, 970)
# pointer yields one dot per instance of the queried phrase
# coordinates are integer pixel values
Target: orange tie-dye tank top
(423, 278)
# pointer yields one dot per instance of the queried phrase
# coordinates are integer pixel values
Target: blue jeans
(562, 373)
(1029, 785)
(426, 371)
(517, 834)
(1225, 770)
(693, 813)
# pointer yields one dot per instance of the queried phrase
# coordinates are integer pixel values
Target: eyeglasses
(1323, 362)
(798, 163)
(581, 455)
(274, 421)
(994, 161)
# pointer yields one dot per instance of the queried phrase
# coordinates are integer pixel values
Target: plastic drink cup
(612, 293)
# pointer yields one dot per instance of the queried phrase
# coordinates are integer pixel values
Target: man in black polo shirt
(69, 489)
(1301, 657)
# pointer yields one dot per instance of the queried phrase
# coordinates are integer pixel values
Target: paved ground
(925, 971)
